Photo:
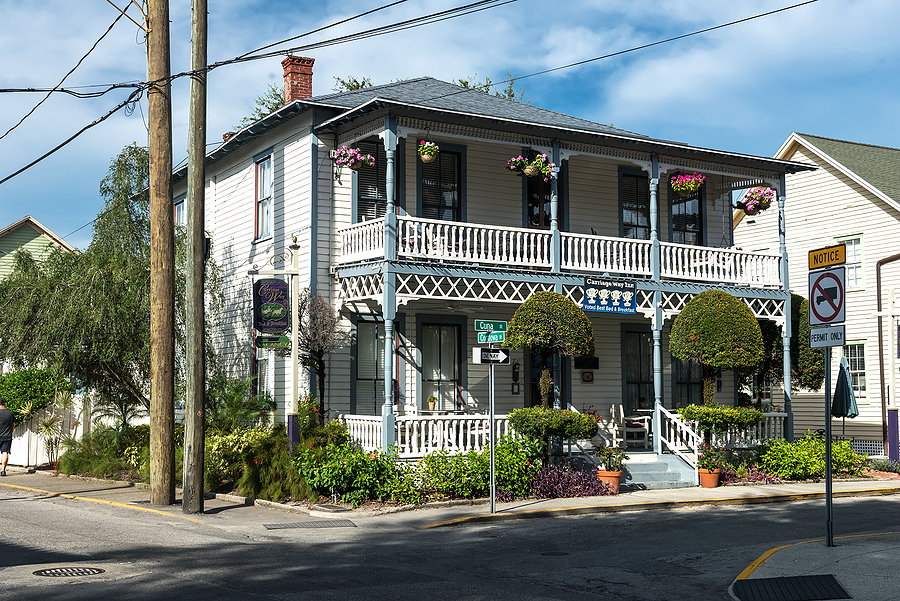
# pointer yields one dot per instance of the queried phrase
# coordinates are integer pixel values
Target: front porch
(678, 445)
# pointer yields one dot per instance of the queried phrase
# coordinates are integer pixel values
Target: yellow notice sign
(827, 257)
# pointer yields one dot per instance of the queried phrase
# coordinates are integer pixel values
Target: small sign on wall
(609, 296)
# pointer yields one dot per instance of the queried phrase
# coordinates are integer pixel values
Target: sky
(828, 68)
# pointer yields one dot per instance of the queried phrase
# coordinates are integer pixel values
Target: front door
(637, 370)
(538, 361)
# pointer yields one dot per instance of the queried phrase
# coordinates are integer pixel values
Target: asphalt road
(691, 553)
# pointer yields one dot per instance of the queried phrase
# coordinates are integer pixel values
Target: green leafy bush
(345, 470)
(720, 418)
(805, 458)
(27, 391)
(541, 422)
(268, 470)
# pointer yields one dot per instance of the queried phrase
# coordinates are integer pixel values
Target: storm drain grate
(554, 553)
(791, 588)
(312, 524)
(69, 572)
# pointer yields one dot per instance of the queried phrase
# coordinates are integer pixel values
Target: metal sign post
(827, 307)
(492, 433)
(491, 332)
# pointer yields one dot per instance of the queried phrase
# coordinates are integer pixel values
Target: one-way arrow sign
(490, 355)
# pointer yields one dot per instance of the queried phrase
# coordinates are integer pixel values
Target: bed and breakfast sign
(609, 296)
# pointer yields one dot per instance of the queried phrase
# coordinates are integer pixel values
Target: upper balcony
(473, 245)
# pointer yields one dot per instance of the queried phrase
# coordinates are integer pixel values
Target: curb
(622, 507)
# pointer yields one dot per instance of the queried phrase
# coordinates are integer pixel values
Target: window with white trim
(179, 216)
(264, 198)
(853, 265)
(856, 356)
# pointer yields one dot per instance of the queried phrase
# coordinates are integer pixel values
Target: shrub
(27, 391)
(885, 465)
(566, 480)
(463, 476)
(349, 472)
(805, 458)
(224, 454)
(268, 470)
(720, 418)
(541, 422)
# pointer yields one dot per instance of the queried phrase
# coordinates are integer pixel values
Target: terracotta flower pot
(611, 479)
(709, 479)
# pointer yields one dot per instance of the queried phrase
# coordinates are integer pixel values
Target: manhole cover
(312, 524)
(69, 572)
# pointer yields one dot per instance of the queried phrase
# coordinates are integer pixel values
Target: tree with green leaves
(265, 104)
(807, 363)
(718, 331)
(351, 83)
(548, 322)
(319, 334)
(88, 314)
(510, 92)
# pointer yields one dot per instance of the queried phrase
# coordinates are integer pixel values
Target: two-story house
(412, 253)
(852, 199)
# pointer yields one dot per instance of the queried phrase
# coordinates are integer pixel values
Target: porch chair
(638, 425)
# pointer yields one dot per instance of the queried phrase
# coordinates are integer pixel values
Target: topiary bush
(719, 331)
(543, 422)
(721, 418)
(27, 391)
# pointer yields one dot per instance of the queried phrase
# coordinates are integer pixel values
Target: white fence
(418, 435)
(719, 265)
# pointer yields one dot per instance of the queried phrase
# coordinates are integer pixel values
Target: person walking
(7, 423)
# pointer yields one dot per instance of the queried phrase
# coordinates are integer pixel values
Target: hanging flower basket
(354, 158)
(539, 166)
(685, 185)
(757, 200)
(428, 151)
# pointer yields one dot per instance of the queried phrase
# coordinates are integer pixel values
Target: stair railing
(679, 437)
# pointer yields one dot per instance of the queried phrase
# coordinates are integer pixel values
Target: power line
(66, 76)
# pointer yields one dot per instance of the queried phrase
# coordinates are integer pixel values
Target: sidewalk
(863, 564)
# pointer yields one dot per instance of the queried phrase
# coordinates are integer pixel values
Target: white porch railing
(771, 427)
(600, 254)
(719, 265)
(679, 437)
(362, 241)
(472, 243)
(418, 435)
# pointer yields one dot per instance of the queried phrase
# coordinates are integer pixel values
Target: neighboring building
(854, 199)
(411, 253)
(27, 233)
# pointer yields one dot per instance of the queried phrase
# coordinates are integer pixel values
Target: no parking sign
(826, 297)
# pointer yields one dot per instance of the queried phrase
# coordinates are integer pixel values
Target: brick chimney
(297, 78)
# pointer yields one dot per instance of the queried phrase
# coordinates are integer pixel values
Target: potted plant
(540, 165)
(428, 151)
(757, 200)
(685, 185)
(613, 460)
(352, 157)
(709, 464)
(432, 401)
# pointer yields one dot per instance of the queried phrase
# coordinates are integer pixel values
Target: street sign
(826, 336)
(273, 342)
(490, 355)
(482, 325)
(826, 297)
(488, 337)
(827, 257)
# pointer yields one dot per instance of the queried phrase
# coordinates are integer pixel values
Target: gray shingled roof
(437, 94)
(878, 165)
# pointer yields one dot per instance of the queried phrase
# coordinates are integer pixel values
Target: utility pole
(192, 497)
(162, 259)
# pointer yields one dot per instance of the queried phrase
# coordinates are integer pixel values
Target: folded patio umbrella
(844, 403)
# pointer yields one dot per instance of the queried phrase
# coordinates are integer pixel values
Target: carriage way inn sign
(609, 296)
(271, 302)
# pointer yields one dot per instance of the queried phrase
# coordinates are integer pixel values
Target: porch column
(657, 368)
(786, 333)
(654, 216)
(389, 300)
(555, 240)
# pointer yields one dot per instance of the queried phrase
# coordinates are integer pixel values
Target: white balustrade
(770, 428)
(679, 437)
(472, 243)
(418, 435)
(362, 241)
(601, 254)
(684, 261)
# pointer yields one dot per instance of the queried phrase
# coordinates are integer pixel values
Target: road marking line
(114, 503)
(759, 561)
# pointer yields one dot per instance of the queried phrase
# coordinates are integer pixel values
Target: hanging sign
(271, 302)
(609, 296)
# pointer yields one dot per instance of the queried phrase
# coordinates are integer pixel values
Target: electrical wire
(66, 76)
